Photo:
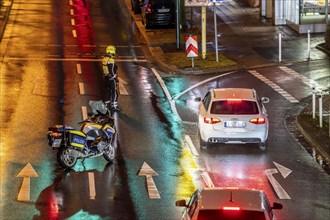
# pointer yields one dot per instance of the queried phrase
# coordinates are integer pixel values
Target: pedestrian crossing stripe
(274, 86)
(304, 79)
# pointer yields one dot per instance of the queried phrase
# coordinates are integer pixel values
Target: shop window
(313, 11)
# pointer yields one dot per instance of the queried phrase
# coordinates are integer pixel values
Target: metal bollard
(279, 47)
(314, 99)
(309, 44)
(320, 110)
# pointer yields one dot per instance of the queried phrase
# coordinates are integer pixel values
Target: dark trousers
(111, 93)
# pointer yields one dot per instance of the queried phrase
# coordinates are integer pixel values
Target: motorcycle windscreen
(76, 139)
(98, 107)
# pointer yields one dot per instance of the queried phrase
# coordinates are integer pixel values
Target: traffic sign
(191, 46)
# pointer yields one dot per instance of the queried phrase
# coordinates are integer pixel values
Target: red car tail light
(209, 120)
(258, 121)
(56, 134)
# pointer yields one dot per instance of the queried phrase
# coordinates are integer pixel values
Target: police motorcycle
(93, 140)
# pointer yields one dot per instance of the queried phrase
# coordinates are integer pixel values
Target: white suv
(233, 116)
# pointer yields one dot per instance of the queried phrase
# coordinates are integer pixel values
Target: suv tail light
(258, 121)
(209, 120)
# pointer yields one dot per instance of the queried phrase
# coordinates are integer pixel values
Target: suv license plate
(164, 10)
(235, 124)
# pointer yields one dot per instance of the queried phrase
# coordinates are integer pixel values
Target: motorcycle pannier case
(76, 139)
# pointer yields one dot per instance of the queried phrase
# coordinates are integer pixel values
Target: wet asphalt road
(48, 68)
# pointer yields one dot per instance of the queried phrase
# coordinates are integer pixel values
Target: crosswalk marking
(304, 79)
(274, 86)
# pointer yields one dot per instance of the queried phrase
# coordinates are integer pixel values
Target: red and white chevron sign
(191, 46)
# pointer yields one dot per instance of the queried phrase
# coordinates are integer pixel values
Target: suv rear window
(234, 107)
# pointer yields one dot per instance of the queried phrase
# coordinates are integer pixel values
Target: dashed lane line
(91, 184)
(79, 68)
(274, 86)
(84, 112)
(74, 33)
(191, 145)
(81, 89)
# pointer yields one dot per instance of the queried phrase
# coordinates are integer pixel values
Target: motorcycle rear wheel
(65, 159)
(109, 153)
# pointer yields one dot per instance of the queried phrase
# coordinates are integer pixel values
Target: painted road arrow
(122, 89)
(26, 173)
(281, 193)
(147, 171)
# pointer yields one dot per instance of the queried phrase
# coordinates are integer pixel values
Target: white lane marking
(81, 89)
(84, 112)
(176, 96)
(147, 171)
(207, 179)
(74, 33)
(122, 89)
(71, 12)
(91, 183)
(277, 187)
(167, 93)
(70, 2)
(78, 66)
(304, 79)
(26, 173)
(191, 145)
(283, 170)
(73, 23)
(274, 86)
(71, 58)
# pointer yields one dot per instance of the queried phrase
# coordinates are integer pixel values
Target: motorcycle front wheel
(109, 153)
(65, 159)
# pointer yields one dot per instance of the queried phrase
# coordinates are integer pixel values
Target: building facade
(300, 15)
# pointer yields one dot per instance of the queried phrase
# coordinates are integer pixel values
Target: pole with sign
(192, 48)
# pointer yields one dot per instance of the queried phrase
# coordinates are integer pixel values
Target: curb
(325, 155)
(7, 5)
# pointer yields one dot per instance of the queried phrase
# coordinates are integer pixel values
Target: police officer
(110, 78)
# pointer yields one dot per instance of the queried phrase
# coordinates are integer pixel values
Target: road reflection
(69, 196)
